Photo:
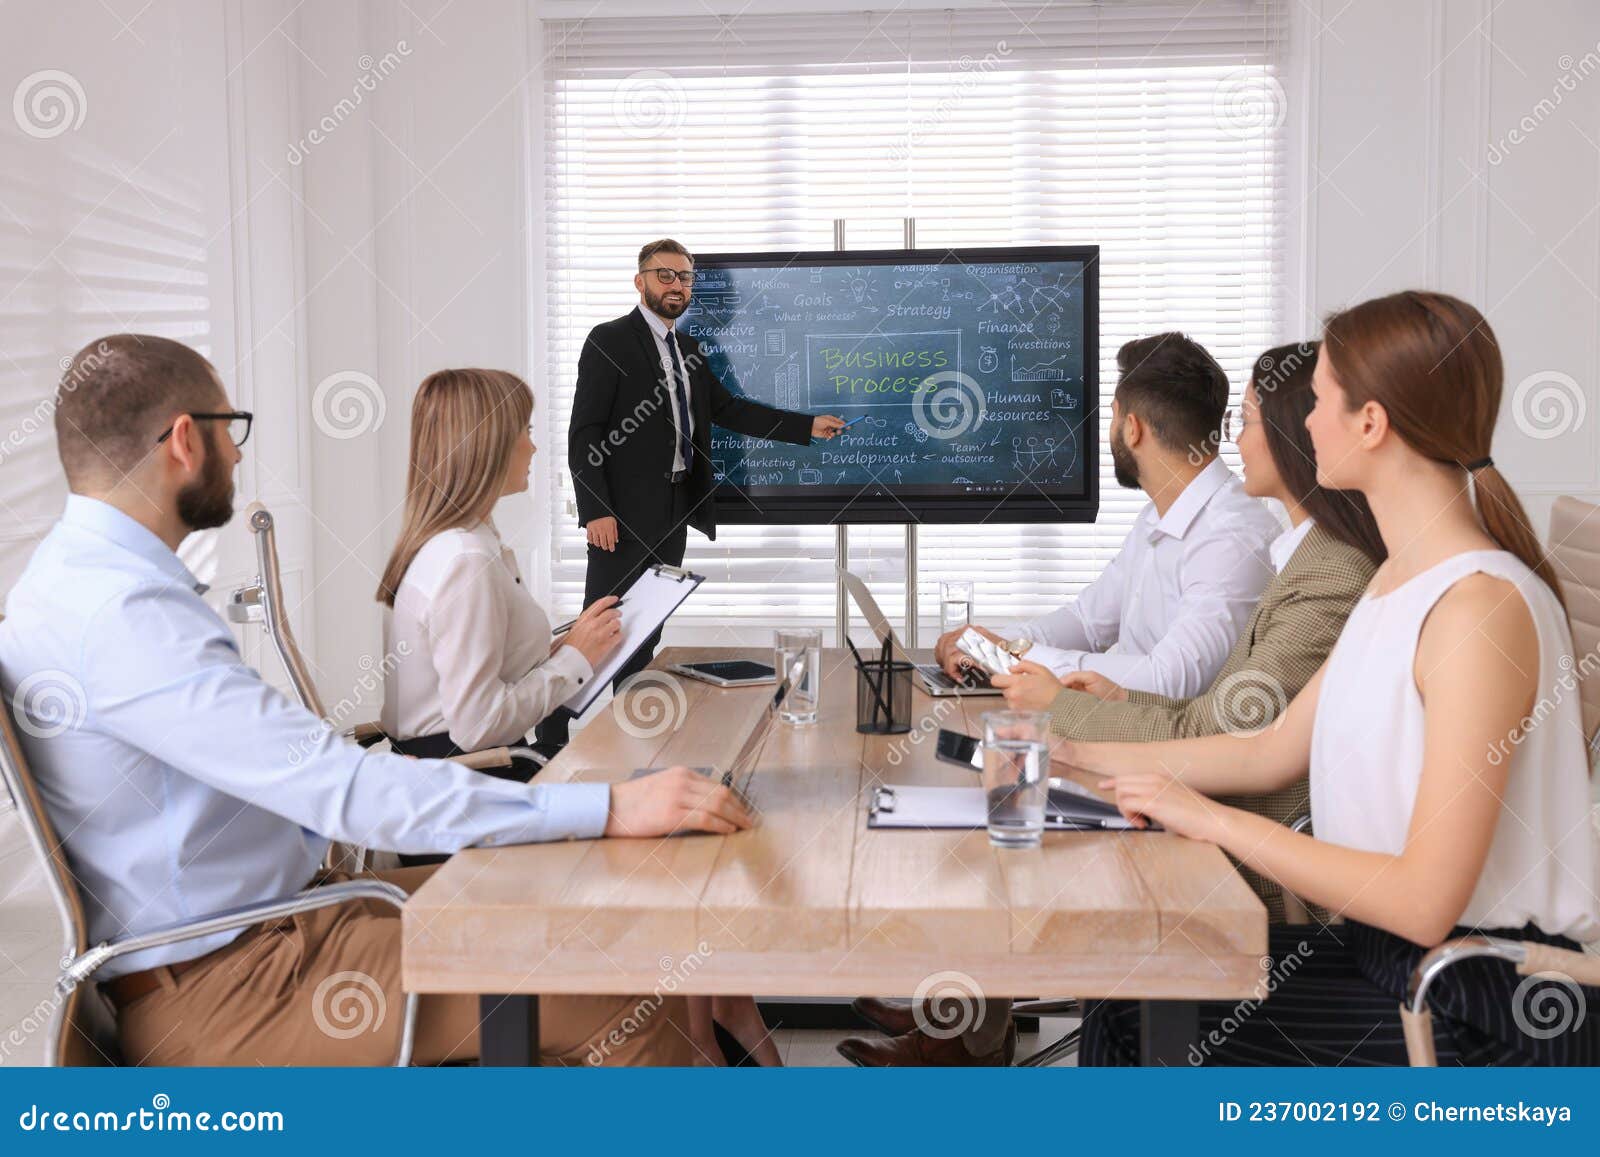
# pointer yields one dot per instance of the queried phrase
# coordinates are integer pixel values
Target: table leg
(508, 1030)
(1168, 1029)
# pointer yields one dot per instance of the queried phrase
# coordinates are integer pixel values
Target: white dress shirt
(659, 327)
(1284, 546)
(1174, 599)
(469, 650)
(180, 782)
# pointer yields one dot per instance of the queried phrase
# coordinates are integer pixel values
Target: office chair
(1574, 552)
(1529, 956)
(81, 1029)
(262, 602)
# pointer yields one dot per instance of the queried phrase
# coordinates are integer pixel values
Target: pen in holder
(883, 697)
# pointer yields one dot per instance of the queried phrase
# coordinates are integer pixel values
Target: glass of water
(1016, 775)
(955, 605)
(802, 646)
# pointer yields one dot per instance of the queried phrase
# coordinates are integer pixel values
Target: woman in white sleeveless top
(1448, 765)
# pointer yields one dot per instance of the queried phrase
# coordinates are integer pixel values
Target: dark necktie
(680, 392)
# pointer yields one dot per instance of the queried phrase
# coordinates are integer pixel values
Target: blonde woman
(473, 661)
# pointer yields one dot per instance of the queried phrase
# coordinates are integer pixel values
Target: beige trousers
(323, 988)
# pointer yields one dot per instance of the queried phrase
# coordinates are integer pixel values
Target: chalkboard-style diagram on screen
(969, 376)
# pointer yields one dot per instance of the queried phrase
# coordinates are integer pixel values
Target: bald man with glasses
(639, 446)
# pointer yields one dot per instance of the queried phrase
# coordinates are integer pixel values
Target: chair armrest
(365, 734)
(497, 757)
(1416, 1020)
(1529, 957)
(1581, 966)
(308, 900)
(1453, 952)
(488, 757)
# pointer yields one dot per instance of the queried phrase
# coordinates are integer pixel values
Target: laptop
(927, 673)
(744, 762)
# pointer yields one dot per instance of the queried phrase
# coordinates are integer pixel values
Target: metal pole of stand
(841, 552)
(910, 224)
(911, 585)
(841, 532)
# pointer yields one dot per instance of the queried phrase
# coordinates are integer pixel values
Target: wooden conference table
(811, 903)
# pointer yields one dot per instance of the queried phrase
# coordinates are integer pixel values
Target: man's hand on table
(677, 799)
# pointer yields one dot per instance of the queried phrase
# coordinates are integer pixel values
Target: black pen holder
(883, 697)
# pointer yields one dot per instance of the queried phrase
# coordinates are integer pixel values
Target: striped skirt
(1333, 998)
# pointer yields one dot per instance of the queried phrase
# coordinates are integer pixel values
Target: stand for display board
(842, 531)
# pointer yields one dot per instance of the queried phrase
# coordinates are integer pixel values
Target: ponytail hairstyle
(464, 424)
(1432, 362)
(1282, 381)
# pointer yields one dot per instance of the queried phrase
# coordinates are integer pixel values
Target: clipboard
(925, 806)
(646, 605)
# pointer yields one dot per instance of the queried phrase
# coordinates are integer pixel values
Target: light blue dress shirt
(180, 782)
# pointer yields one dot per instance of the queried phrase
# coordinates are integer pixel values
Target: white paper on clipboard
(647, 604)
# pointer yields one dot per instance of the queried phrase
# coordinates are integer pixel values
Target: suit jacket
(620, 441)
(1284, 642)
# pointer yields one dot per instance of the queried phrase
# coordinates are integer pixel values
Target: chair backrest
(71, 1041)
(347, 857)
(1575, 554)
(259, 519)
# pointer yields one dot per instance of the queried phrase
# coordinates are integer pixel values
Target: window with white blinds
(1153, 131)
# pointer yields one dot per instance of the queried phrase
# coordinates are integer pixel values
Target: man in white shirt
(184, 785)
(1165, 612)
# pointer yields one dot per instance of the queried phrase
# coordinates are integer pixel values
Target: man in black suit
(639, 446)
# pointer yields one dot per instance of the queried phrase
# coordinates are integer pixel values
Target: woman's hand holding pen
(597, 631)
